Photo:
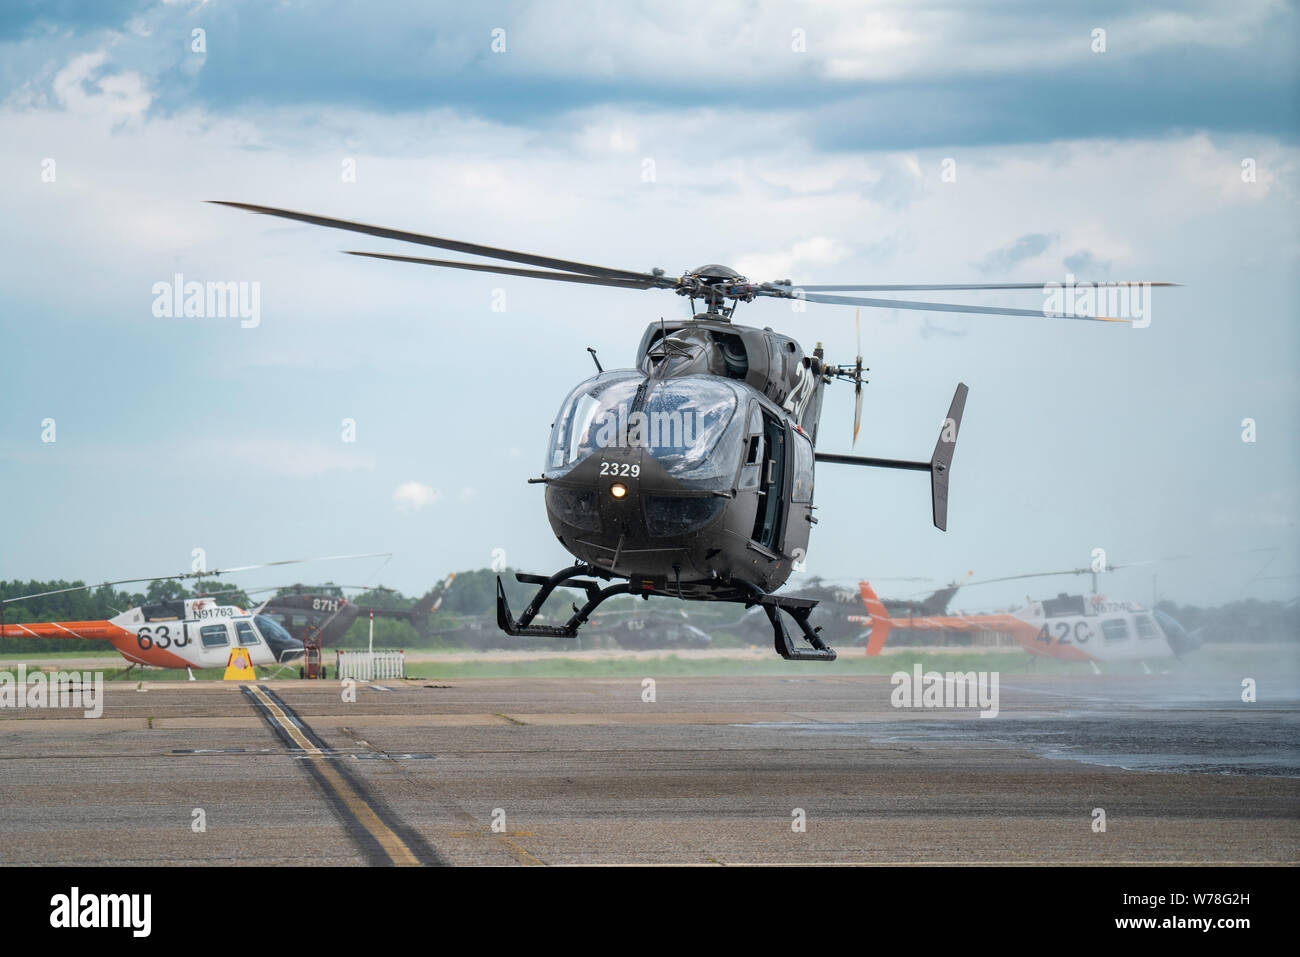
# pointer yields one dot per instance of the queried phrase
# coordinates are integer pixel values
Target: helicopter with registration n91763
(690, 475)
(184, 632)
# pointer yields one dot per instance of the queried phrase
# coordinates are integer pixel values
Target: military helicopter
(690, 475)
(651, 628)
(321, 615)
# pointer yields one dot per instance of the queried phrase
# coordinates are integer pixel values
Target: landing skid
(583, 577)
(799, 609)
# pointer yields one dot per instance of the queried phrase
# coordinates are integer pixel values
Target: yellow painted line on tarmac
(504, 839)
(393, 845)
(517, 852)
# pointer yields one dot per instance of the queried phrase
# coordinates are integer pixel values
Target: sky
(382, 407)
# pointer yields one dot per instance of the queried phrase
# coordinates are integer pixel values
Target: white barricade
(370, 665)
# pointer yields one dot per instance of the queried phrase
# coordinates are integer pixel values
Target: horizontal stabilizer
(940, 463)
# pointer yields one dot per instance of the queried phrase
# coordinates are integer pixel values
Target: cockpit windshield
(577, 427)
(682, 422)
(282, 644)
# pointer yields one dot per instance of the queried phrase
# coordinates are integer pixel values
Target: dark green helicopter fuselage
(693, 472)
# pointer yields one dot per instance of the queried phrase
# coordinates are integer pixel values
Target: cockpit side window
(245, 632)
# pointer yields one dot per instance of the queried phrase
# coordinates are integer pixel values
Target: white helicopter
(1070, 627)
(183, 633)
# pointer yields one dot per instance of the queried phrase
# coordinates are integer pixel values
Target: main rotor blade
(473, 249)
(292, 561)
(213, 573)
(1110, 567)
(510, 271)
(1013, 578)
(895, 287)
(946, 307)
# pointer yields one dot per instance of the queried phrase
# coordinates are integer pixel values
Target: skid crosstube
(582, 576)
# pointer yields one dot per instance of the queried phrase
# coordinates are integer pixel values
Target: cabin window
(1145, 626)
(214, 636)
(1115, 629)
(755, 445)
(1064, 605)
(770, 515)
(801, 490)
(752, 470)
(245, 632)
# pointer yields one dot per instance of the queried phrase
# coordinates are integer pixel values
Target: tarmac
(712, 771)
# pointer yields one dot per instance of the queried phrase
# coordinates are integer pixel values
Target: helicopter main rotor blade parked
(719, 506)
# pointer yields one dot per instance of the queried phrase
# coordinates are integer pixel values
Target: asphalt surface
(713, 771)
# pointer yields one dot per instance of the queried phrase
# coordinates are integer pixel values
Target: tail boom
(87, 630)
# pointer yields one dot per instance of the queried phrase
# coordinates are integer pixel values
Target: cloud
(85, 86)
(794, 261)
(32, 19)
(901, 75)
(1008, 257)
(410, 496)
(1085, 264)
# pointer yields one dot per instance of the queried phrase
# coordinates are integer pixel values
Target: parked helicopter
(651, 628)
(839, 609)
(323, 613)
(691, 474)
(186, 633)
(1069, 627)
